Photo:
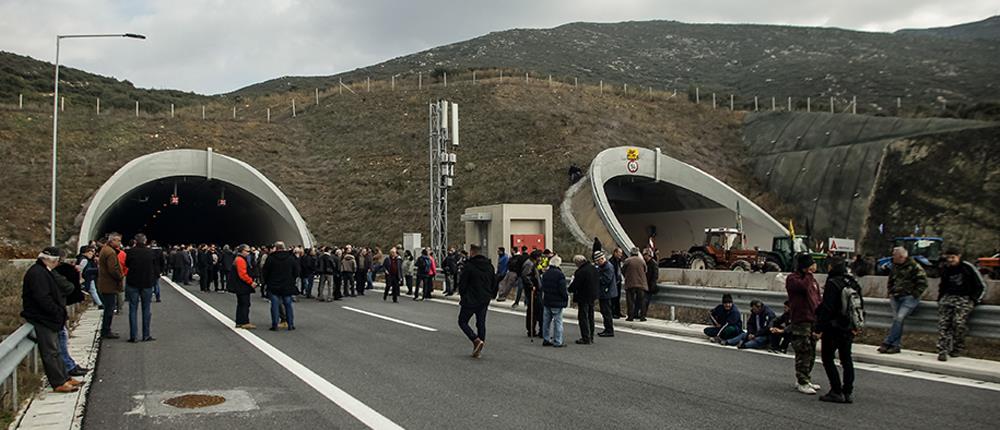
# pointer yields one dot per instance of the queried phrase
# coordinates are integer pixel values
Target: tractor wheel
(701, 261)
(741, 266)
(771, 267)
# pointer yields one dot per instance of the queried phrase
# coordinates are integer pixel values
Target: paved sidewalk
(51, 411)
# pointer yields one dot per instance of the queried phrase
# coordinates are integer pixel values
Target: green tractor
(781, 258)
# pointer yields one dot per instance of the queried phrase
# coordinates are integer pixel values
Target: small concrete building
(508, 224)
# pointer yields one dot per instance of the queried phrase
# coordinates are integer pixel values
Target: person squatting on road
(837, 324)
(584, 287)
(477, 286)
(44, 306)
(280, 274)
(555, 298)
(241, 284)
(803, 299)
(907, 283)
(961, 289)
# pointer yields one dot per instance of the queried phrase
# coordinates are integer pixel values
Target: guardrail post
(673, 313)
(13, 390)
(34, 359)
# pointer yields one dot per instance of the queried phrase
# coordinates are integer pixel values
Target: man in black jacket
(142, 273)
(584, 288)
(279, 274)
(961, 288)
(477, 284)
(834, 326)
(44, 307)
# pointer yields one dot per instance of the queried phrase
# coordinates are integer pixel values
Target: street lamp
(55, 116)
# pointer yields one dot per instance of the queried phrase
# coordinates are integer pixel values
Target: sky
(218, 46)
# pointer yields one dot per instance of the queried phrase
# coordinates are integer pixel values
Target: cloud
(216, 46)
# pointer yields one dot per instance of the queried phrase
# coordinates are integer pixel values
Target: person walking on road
(907, 283)
(961, 289)
(607, 293)
(836, 328)
(803, 299)
(393, 266)
(584, 288)
(477, 286)
(241, 284)
(555, 298)
(634, 269)
(280, 273)
(533, 308)
(110, 282)
(141, 262)
(44, 306)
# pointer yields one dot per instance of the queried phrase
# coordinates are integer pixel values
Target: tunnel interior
(679, 215)
(198, 216)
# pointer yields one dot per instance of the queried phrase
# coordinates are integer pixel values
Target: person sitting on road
(779, 338)
(758, 333)
(727, 326)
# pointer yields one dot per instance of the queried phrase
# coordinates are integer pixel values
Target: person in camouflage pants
(804, 345)
(961, 288)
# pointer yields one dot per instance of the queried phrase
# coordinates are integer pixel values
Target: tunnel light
(175, 199)
(222, 198)
(222, 202)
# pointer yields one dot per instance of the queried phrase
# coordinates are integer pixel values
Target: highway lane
(425, 379)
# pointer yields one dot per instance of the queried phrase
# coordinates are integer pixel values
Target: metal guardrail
(984, 322)
(13, 350)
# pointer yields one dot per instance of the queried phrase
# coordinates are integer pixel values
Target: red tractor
(990, 266)
(724, 250)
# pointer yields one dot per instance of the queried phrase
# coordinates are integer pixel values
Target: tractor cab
(925, 250)
(724, 249)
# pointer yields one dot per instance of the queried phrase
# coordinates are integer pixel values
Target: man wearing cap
(803, 299)
(44, 306)
(584, 287)
(110, 281)
(241, 284)
(961, 288)
(607, 293)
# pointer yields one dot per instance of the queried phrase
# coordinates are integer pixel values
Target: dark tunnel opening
(198, 216)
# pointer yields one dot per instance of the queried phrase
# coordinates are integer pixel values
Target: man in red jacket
(803, 299)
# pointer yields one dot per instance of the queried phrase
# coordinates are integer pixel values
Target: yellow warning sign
(632, 154)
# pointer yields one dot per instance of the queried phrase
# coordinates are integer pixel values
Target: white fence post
(732, 103)
(62, 104)
(789, 104)
(854, 105)
(20, 101)
(831, 105)
(550, 80)
(98, 105)
(269, 115)
(171, 110)
(137, 108)
(393, 84)
(774, 106)
(713, 101)
(602, 86)
(755, 105)
(576, 82)
(808, 104)
(234, 112)
(697, 95)
(293, 107)
(625, 89)
(368, 83)
(317, 96)
(445, 79)
(501, 76)
(202, 111)
(525, 77)
(420, 81)
(899, 103)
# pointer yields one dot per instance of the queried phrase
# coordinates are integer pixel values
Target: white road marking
(406, 323)
(907, 373)
(353, 406)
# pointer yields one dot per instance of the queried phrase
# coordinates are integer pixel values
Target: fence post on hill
(789, 104)
(234, 112)
(98, 105)
(774, 106)
(831, 105)
(368, 83)
(202, 111)
(293, 107)
(650, 92)
(525, 77)
(317, 96)
(171, 110)
(576, 82)
(601, 86)
(268, 115)
(20, 101)
(732, 103)
(550, 80)
(854, 105)
(713, 101)
(808, 104)
(625, 89)
(899, 104)
(420, 81)
(755, 105)
(445, 74)
(501, 76)
(136, 108)
(393, 84)
(62, 104)
(340, 86)
(697, 95)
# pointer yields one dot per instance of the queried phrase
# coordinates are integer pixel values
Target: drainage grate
(194, 401)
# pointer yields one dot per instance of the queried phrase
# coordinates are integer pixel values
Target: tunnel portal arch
(288, 223)
(649, 188)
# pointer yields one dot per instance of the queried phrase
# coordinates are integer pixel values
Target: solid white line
(406, 323)
(353, 406)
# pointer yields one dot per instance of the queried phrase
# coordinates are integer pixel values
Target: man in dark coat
(532, 284)
(477, 285)
(393, 266)
(280, 273)
(241, 284)
(44, 306)
(228, 257)
(141, 263)
(961, 289)
(555, 298)
(584, 288)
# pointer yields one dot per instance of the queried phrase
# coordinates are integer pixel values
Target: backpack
(515, 264)
(852, 306)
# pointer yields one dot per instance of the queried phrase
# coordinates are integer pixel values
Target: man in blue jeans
(907, 283)
(141, 263)
(477, 285)
(758, 334)
(279, 274)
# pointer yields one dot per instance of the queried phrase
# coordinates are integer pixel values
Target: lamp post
(55, 117)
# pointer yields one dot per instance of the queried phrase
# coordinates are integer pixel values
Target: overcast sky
(216, 46)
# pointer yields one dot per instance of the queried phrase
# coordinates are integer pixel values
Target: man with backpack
(961, 288)
(839, 318)
(424, 277)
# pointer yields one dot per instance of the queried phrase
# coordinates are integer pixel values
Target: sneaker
(629, 319)
(942, 356)
(111, 336)
(606, 334)
(477, 348)
(815, 386)
(806, 389)
(149, 339)
(248, 326)
(832, 397)
(283, 325)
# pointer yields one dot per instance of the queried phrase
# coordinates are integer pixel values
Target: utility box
(503, 225)
(411, 242)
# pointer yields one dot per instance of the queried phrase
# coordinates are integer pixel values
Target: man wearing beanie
(803, 299)
(44, 306)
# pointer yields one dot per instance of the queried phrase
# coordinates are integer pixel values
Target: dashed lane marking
(397, 321)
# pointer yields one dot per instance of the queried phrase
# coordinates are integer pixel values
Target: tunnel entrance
(137, 198)
(197, 217)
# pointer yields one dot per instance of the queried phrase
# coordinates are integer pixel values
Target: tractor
(990, 266)
(925, 250)
(723, 250)
(781, 257)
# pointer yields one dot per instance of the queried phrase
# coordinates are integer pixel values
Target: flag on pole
(881, 229)
(791, 229)
(739, 224)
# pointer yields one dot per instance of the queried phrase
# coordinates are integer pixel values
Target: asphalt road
(425, 379)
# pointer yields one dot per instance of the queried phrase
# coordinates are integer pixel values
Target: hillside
(746, 60)
(987, 29)
(21, 75)
(355, 166)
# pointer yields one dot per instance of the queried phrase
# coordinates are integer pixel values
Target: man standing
(477, 285)
(158, 267)
(280, 273)
(241, 284)
(393, 274)
(529, 275)
(450, 264)
(139, 286)
(837, 329)
(324, 265)
(961, 288)
(555, 298)
(617, 257)
(228, 258)
(652, 278)
(803, 299)
(110, 282)
(907, 283)
(607, 293)
(634, 269)
(44, 306)
(584, 288)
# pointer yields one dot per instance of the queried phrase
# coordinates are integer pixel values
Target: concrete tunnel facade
(137, 199)
(636, 188)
